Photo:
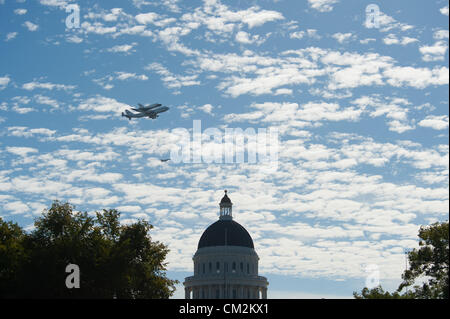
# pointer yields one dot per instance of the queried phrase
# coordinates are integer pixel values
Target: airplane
(146, 108)
(150, 111)
(165, 160)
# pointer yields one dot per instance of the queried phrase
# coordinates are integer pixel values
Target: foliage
(115, 261)
(379, 293)
(428, 263)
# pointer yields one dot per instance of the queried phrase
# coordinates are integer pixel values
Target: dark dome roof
(236, 235)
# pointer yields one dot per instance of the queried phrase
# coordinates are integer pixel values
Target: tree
(428, 263)
(115, 261)
(11, 254)
(379, 293)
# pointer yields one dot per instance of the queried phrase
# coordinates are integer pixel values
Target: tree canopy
(115, 261)
(428, 264)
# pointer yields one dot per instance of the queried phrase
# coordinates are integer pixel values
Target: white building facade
(226, 263)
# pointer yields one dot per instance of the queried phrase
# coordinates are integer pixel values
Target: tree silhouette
(428, 263)
(115, 261)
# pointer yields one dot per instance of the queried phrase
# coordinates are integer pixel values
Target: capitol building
(225, 263)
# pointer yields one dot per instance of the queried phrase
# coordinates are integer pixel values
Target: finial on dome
(225, 207)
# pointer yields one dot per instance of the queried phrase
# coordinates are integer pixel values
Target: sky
(356, 94)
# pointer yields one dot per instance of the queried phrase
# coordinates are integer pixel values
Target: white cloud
(416, 77)
(122, 76)
(312, 33)
(74, 39)
(123, 48)
(105, 82)
(21, 151)
(435, 122)
(361, 70)
(440, 34)
(246, 38)
(368, 40)
(408, 40)
(259, 74)
(444, 10)
(97, 28)
(4, 80)
(254, 18)
(283, 91)
(10, 36)
(394, 109)
(343, 37)
(322, 5)
(23, 110)
(207, 108)
(219, 19)
(55, 3)
(146, 18)
(392, 39)
(173, 81)
(20, 11)
(30, 86)
(294, 114)
(102, 104)
(297, 35)
(22, 131)
(16, 207)
(30, 26)
(46, 100)
(434, 52)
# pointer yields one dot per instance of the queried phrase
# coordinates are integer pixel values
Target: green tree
(115, 261)
(11, 254)
(379, 293)
(428, 263)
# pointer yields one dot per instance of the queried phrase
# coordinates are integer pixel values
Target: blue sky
(361, 111)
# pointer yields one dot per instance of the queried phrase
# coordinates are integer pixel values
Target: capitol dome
(225, 233)
(225, 263)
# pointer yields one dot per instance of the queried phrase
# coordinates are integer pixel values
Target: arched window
(233, 269)
(210, 267)
(218, 267)
(203, 268)
(248, 268)
(242, 267)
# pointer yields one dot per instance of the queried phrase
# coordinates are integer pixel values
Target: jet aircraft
(150, 111)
